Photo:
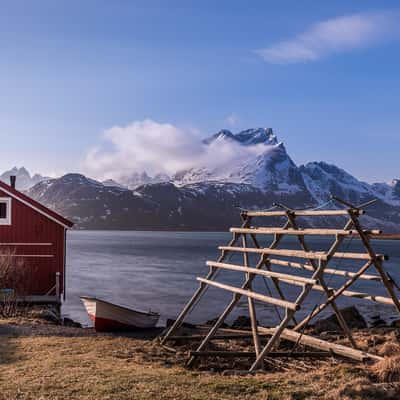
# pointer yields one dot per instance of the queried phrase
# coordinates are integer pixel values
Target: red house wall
(30, 226)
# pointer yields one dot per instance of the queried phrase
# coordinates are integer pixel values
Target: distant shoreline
(384, 236)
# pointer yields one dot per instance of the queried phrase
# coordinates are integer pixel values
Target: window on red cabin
(5, 211)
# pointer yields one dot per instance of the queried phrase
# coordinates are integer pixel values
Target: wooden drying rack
(315, 263)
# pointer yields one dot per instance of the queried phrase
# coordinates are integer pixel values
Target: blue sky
(324, 75)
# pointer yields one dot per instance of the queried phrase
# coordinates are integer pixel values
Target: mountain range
(209, 197)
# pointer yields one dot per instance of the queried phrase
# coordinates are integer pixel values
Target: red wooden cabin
(35, 237)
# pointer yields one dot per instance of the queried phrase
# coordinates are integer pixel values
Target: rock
(212, 322)
(170, 322)
(395, 323)
(239, 372)
(70, 322)
(350, 314)
(49, 316)
(242, 322)
(378, 323)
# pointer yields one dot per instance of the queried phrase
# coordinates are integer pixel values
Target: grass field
(46, 362)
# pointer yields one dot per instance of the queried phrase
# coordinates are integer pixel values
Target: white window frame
(7, 220)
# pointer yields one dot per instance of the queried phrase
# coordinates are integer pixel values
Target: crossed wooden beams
(316, 262)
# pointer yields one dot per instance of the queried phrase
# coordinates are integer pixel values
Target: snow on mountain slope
(254, 136)
(395, 192)
(272, 171)
(268, 167)
(24, 179)
(324, 180)
(142, 178)
(247, 137)
(112, 183)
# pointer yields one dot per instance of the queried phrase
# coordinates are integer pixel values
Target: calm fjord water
(158, 270)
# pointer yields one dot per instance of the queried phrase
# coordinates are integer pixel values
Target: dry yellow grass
(67, 363)
(388, 370)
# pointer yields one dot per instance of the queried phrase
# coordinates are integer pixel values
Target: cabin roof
(40, 208)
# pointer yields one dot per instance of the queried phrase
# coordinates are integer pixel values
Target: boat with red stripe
(109, 317)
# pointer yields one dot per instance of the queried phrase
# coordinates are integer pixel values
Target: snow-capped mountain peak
(24, 179)
(264, 163)
(254, 136)
(223, 134)
(247, 137)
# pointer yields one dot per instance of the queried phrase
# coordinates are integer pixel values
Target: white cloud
(158, 148)
(333, 36)
(231, 120)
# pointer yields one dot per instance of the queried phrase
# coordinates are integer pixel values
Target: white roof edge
(34, 208)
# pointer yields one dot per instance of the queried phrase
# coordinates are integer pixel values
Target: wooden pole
(272, 354)
(235, 299)
(339, 272)
(303, 232)
(278, 252)
(250, 301)
(274, 338)
(336, 294)
(269, 274)
(288, 316)
(331, 252)
(58, 292)
(250, 293)
(274, 280)
(320, 344)
(378, 264)
(199, 292)
(304, 213)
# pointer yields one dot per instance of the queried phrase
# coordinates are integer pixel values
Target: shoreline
(383, 236)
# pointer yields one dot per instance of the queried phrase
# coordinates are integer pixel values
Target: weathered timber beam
(320, 344)
(359, 256)
(301, 232)
(304, 213)
(314, 255)
(215, 337)
(270, 274)
(338, 272)
(249, 293)
(285, 253)
(348, 293)
(386, 236)
(273, 354)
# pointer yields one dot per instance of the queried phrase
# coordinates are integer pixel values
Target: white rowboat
(108, 317)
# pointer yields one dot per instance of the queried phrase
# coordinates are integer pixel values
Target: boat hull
(108, 317)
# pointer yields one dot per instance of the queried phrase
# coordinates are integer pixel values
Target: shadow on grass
(140, 334)
(44, 329)
(7, 346)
